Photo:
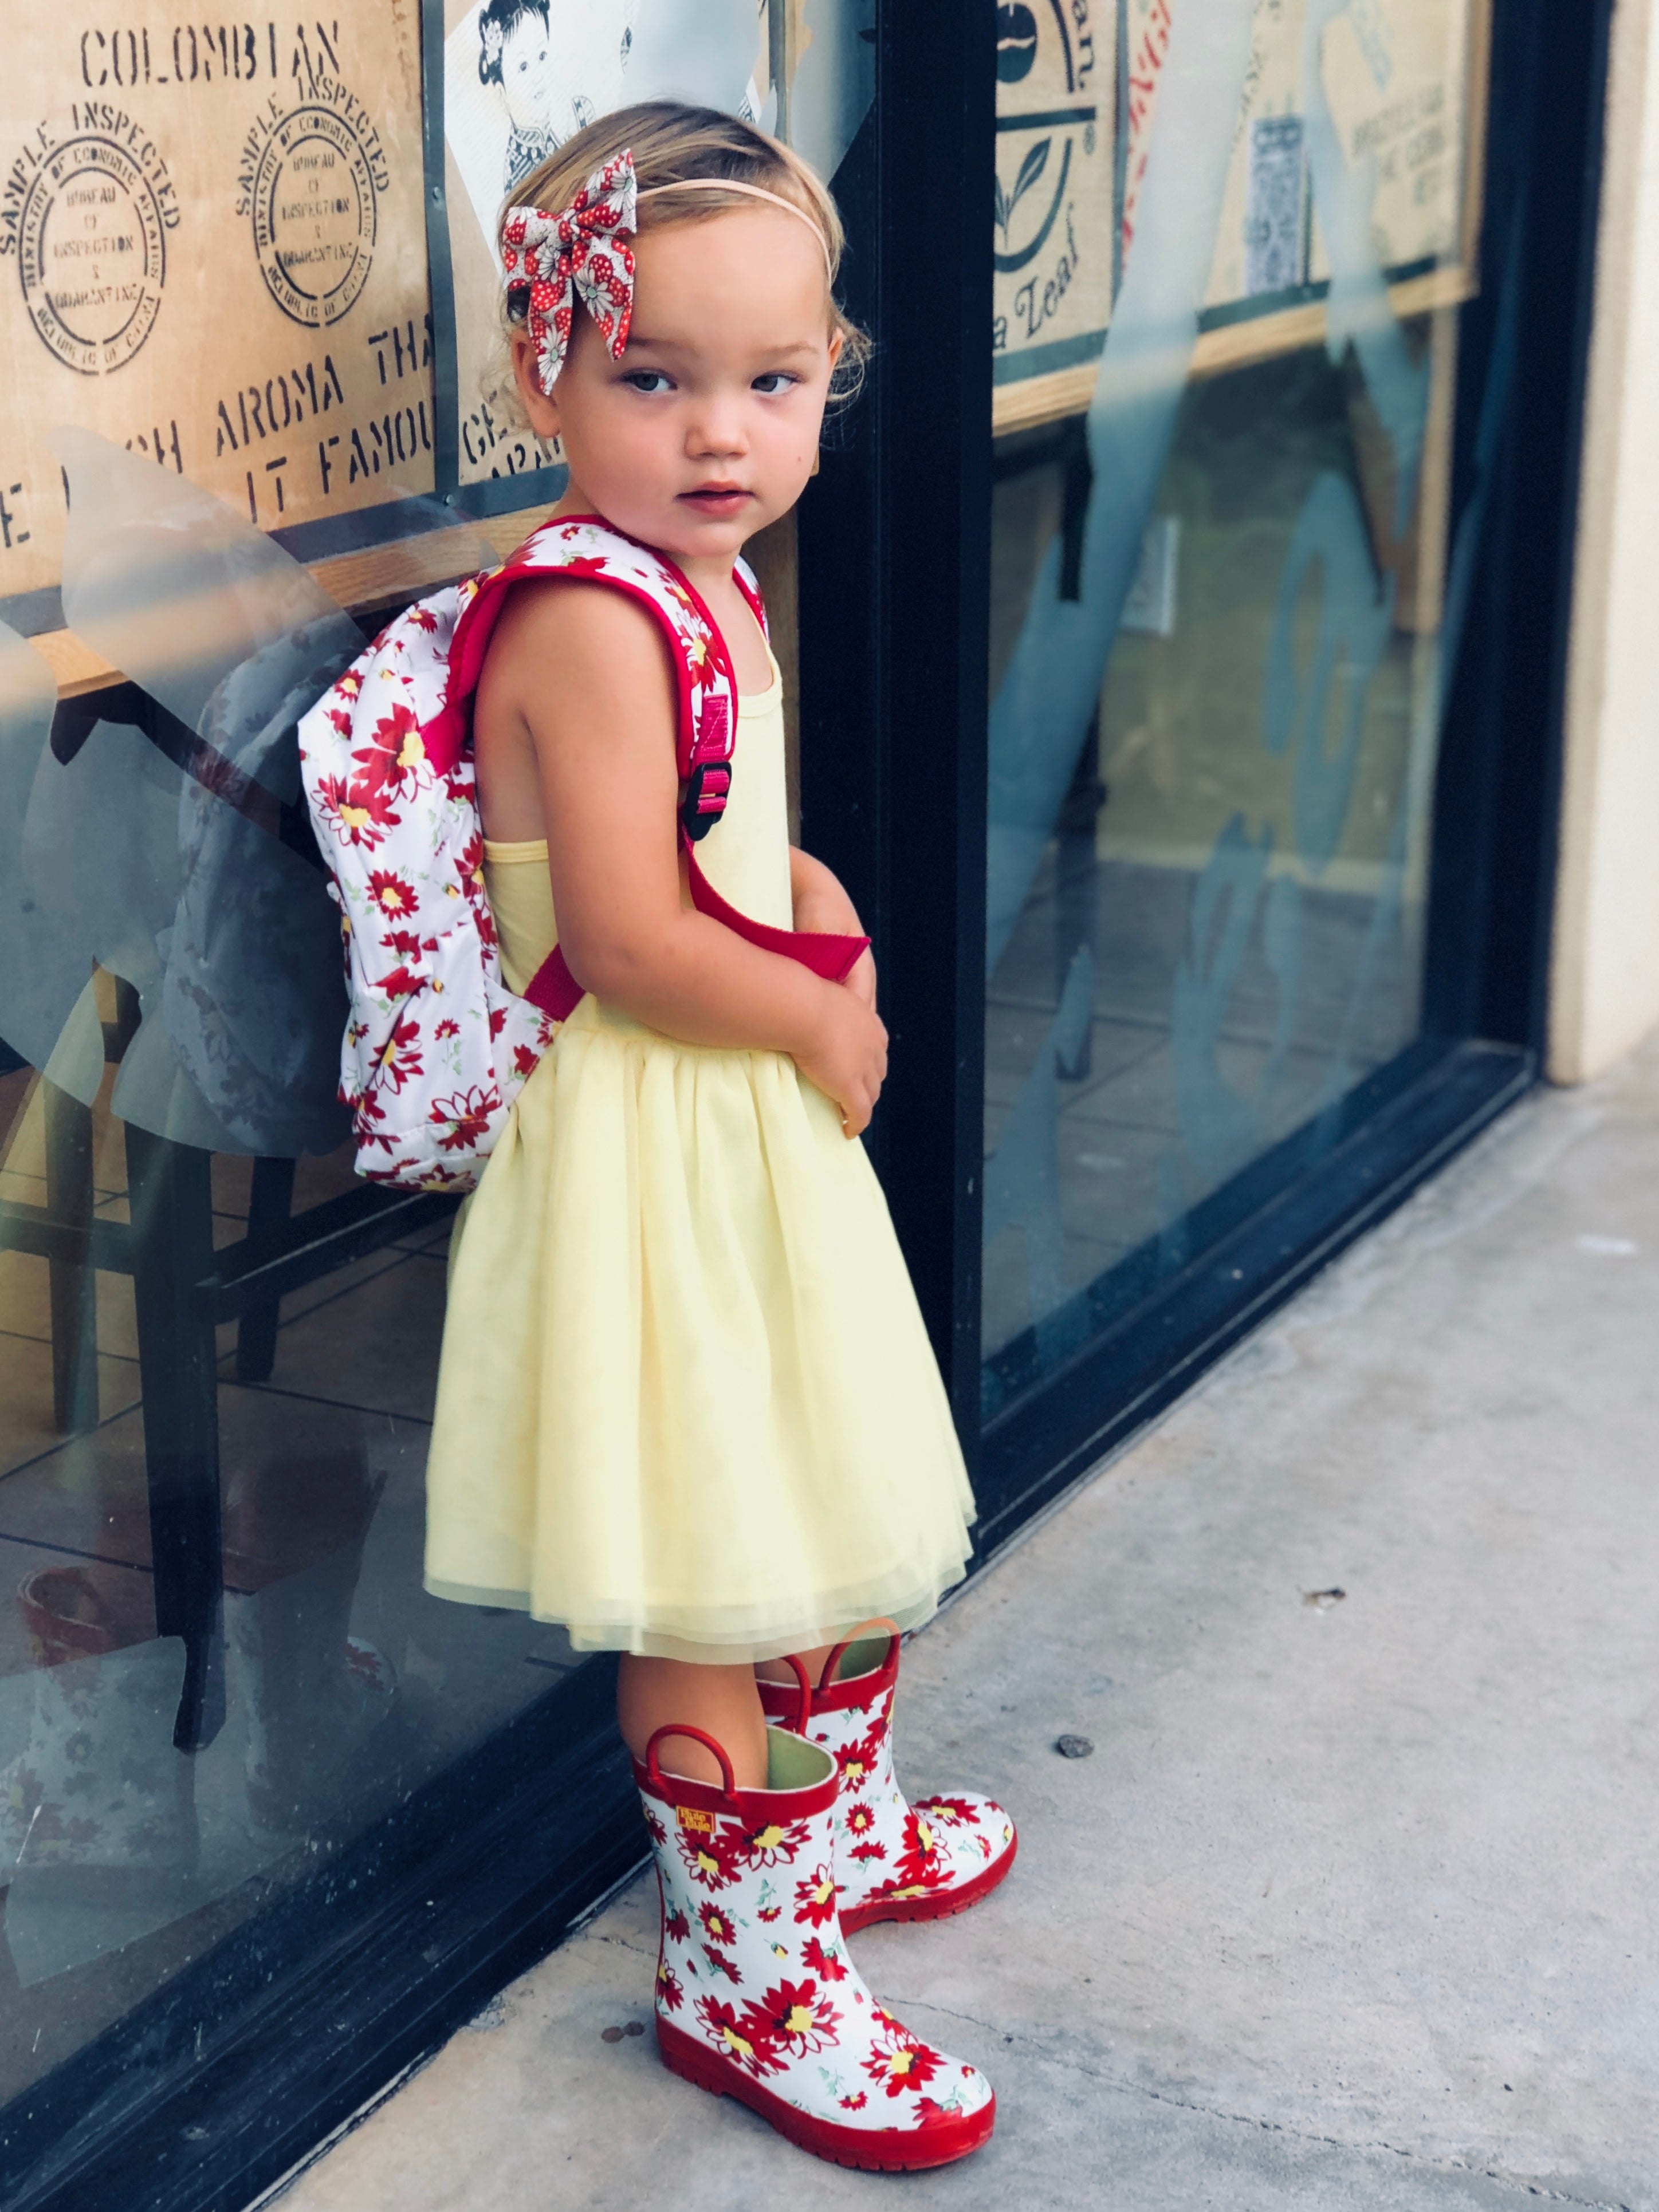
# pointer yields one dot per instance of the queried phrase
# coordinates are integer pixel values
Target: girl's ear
(543, 411)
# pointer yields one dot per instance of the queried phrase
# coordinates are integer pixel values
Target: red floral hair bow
(584, 254)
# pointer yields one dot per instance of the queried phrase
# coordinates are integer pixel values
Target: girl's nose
(716, 432)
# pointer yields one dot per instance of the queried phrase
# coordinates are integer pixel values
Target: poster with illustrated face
(521, 76)
(212, 252)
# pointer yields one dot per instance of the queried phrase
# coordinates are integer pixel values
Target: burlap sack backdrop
(212, 251)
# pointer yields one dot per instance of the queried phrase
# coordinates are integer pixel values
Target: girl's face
(524, 73)
(706, 429)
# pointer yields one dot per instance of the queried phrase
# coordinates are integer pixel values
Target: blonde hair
(672, 144)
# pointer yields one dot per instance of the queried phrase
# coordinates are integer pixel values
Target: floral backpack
(436, 1047)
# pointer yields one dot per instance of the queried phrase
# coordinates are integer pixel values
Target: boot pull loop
(828, 1675)
(796, 1666)
(674, 1727)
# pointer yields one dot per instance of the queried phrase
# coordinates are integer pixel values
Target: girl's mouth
(716, 498)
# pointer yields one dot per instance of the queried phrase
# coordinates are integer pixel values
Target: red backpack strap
(583, 546)
(588, 548)
(557, 993)
(743, 577)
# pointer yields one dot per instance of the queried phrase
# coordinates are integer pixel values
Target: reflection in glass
(1218, 619)
(217, 1663)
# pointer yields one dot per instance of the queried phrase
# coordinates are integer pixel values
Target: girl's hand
(860, 978)
(847, 1059)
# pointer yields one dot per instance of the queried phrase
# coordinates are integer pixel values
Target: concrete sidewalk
(1353, 1904)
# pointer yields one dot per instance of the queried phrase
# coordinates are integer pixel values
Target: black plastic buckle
(706, 790)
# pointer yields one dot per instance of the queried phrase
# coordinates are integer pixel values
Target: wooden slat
(76, 667)
(1043, 399)
(379, 576)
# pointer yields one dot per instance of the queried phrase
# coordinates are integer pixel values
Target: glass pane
(217, 1663)
(1231, 244)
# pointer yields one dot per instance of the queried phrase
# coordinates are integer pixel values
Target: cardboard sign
(1397, 78)
(212, 252)
(1053, 217)
(1394, 76)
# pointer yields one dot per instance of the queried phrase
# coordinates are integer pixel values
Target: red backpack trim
(706, 745)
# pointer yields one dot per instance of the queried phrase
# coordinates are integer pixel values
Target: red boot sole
(875, 2151)
(940, 1905)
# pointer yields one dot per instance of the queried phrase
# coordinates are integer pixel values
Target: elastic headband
(754, 192)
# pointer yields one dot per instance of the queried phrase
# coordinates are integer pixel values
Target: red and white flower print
(815, 1898)
(706, 1863)
(772, 1999)
(400, 1061)
(356, 815)
(392, 893)
(901, 2061)
(394, 759)
(395, 807)
(771, 1845)
(739, 2037)
(895, 1860)
(465, 1118)
(793, 2017)
(827, 1964)
(860, 1819)
(957, 1811)
(715, 1924)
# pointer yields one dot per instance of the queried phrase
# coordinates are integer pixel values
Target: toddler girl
(687, 1406)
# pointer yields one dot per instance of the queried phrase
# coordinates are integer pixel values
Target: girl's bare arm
(599, 735)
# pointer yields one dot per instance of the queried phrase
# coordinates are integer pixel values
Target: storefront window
(1232, 246)
(1254, 347)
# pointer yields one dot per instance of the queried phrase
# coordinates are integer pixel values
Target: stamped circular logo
(92, 248)
(313, 203)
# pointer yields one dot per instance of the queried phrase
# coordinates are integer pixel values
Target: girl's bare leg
(779, 1670)
(722, 1701)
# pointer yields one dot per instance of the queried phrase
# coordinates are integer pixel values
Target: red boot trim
(933, 1904)
(877, 2150)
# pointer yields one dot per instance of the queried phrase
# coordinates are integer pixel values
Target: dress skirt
(687, 1406)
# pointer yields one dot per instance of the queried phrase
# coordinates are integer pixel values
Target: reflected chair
(182, 1289)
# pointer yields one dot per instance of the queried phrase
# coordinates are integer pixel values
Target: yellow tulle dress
(686, 1405)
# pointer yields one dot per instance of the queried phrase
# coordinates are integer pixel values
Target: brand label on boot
(689, 1817)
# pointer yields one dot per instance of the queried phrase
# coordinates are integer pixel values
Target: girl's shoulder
(561, 638)
(631, 588)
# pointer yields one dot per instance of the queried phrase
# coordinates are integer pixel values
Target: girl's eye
(648, 381)
(774, 381)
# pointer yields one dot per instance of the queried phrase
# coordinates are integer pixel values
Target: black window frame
(894, 549)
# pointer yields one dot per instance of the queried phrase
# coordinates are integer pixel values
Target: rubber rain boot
(757, 1997)
(894, 1860)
